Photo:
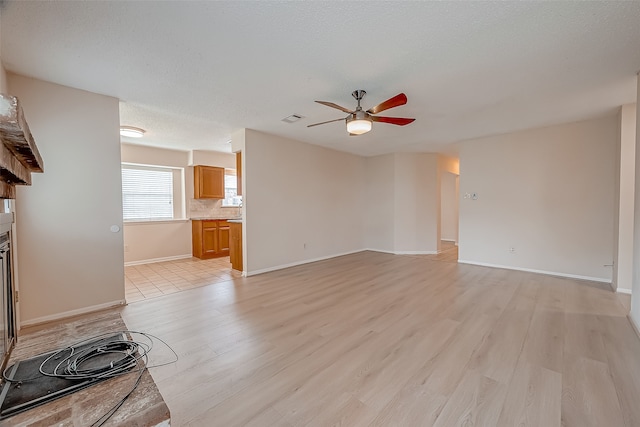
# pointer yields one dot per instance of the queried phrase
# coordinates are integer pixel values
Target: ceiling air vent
(292, 118)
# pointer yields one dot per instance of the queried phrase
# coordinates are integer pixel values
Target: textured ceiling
(191, 73)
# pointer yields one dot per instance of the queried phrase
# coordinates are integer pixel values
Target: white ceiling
(191, 73)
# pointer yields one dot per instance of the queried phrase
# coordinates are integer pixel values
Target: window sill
(155, 221)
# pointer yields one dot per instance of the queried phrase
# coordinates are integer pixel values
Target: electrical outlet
(512, 249)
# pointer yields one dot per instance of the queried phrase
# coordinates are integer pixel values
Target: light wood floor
(373, 339)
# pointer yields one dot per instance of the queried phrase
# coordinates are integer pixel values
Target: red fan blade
(332, 105)
(396, 101)
(321, 123)
(400, 121)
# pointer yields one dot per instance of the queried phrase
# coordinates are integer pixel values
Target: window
(151, 192)
(231, 197)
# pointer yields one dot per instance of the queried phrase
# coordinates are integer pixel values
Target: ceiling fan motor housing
(358, 95)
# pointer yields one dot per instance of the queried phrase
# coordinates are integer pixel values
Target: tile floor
(160, 278)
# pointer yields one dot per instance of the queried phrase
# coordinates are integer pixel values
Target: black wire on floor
(80, 362)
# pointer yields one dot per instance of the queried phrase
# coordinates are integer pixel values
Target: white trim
(530, 270)
(155, 221)
(623, 291)
(152, 260)
(72, 313)
(384, 251)
(402, 252)
(449, 240)
(294, 264)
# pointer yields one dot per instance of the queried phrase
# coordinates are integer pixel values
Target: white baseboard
(294, 264)
(624, 291)
(384, 251)
(530, 270)
(416, 252)
(152, 260)
(72, 313)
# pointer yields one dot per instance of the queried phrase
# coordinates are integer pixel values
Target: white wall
(635, 296)
(68, 259)
(298, 194)
(625, 188)
(151, 241)
(548, 193)
(449, 206)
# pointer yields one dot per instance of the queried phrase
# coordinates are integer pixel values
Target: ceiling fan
(360, 121)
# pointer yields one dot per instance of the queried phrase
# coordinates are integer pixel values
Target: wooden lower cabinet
(209, 238)
(223, 236)
(235, 249)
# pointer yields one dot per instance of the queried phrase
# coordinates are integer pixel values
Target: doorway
(449, 204)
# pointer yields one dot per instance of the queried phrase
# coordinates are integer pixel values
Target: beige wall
(625, 188)
(402, 203)
(302, 202)
(635, 298)
(449, 207)
(154, 241)
(416, 203)
(548, 193)
(3, 80)
(379, 218)
(212, 158)
(69, 261)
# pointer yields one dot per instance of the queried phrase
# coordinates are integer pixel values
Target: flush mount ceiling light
(131, 132)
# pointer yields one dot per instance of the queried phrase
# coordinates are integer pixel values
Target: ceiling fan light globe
(358, 127)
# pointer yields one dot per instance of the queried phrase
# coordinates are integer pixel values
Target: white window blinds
(147, 192)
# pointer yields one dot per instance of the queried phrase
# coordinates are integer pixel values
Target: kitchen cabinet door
(235, 249)
(208, 182)
(209, 239)
(223, 237)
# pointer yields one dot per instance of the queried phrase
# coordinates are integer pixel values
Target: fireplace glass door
(7, 326)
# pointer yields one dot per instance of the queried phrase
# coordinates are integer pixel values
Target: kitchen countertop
(206, 218)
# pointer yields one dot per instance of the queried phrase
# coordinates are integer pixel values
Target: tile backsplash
(211, 208)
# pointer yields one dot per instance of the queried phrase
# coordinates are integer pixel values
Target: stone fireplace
(19, 157)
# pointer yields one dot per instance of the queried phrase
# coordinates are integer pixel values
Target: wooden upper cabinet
(239, 171)
(208, 182)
